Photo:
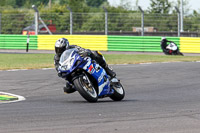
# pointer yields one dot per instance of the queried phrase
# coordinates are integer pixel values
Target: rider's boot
(110, 71)
(68, 88)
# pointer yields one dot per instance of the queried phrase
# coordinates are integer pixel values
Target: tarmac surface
(160, 98)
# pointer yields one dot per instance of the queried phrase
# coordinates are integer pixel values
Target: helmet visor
(59, 51)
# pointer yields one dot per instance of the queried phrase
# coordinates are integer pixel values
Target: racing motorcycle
(88, 77)
(173, 49)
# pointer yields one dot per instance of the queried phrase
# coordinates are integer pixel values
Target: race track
(160, 98)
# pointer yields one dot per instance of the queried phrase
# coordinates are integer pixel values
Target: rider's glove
(85, 53)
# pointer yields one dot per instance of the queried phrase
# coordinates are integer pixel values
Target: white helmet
(163, 38)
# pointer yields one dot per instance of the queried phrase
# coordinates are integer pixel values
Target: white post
(106, 21)
(71, 20)
(179, 23)
(0, 23)
(182, 15)
(36, 19)
(142, 20)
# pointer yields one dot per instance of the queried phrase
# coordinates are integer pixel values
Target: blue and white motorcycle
(89, 78)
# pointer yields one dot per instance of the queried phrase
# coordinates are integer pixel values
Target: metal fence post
(0, 23)
(71, 20)
(179, 19)
(181, 16)
(45, 25)
(106, 21)
(36, 19)
(142, 21)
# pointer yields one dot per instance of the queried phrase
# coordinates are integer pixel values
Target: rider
(164, 44)
(62, 44)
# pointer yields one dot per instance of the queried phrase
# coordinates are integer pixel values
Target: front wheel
(119, 92)
(86, 89)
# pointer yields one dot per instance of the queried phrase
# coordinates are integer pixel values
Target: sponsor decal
(103, 85)
(101, 76)
(87, 65)
(90, 68)
(97, 68)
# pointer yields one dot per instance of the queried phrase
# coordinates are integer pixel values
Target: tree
(11, 3)
(160, 6)
(186, 6)
(61, 2)
(29, 3)
(95, 3)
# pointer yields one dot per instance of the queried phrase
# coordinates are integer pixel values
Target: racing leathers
(163, 45)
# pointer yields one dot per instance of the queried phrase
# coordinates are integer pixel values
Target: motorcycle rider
(164, 45)
(62, 44)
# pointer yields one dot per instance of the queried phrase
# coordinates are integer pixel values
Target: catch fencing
(103, 23)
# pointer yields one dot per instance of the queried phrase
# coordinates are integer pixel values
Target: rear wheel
(179, 53)
(86, 89)
(119, 92)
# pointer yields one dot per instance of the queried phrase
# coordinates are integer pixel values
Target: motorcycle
(88, 77)
(173, 49)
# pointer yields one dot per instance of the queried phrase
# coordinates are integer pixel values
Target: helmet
(61, 45)
(163, 39)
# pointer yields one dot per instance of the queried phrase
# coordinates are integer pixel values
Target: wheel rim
(88, 87)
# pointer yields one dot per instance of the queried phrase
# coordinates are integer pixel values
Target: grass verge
(36, 61)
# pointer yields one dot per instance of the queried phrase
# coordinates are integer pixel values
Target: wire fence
(98, 23)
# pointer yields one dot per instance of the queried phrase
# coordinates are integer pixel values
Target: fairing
(68, 64)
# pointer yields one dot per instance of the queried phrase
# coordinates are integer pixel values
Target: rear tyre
(119, 92)
(179, 53)
(86, 89)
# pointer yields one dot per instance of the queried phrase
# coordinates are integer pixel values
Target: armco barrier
(93, 42)
(190, 45)
(100, 42)
(136, 43)
(17, 42)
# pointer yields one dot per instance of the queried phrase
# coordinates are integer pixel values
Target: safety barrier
(136, 43)
(100, 42)
(17, 42)
(190, 45)
(93, 42)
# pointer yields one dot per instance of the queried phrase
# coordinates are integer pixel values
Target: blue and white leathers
(71, 62)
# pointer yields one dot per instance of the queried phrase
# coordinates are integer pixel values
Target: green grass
(26, 61)
(36, 61)
(138, 58)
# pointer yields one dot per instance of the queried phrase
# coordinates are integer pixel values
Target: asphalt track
(160, 98)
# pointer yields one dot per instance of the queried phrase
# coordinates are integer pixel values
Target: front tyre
(86, 89)
(119, 92)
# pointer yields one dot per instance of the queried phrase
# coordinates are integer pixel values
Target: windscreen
(66, 54)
